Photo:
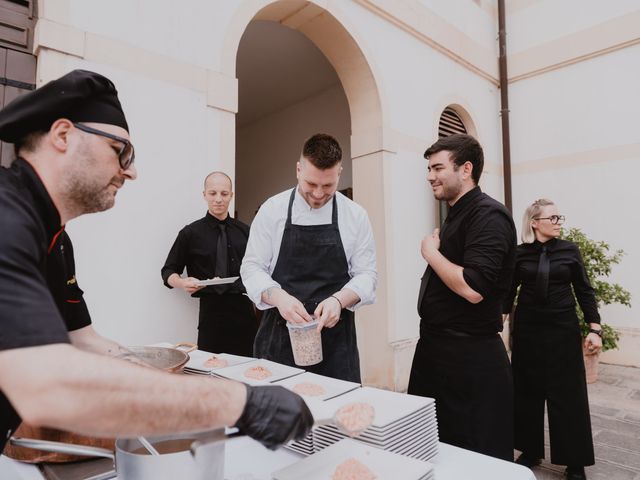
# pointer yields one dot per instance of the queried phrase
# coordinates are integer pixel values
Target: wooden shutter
(450, 123)
(17, 64)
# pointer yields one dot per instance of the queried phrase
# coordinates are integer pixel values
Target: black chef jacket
(195, 248)
(566, 268)
(37, 278)
(479, 235)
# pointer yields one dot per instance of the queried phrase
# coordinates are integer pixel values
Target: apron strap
(293, 194)
(334, 213)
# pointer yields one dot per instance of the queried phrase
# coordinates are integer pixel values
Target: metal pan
(169, 359)
(193, 456)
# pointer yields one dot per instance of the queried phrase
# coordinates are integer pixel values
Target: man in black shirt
(460, 359)
(227, 322)
(74, 154)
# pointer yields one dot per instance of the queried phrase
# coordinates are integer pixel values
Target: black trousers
(227, 324)
(470, 379)
(548, 368)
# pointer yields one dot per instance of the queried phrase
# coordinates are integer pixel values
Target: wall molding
(610, 36)
(413, 18)
(221, 90)
(578, 159)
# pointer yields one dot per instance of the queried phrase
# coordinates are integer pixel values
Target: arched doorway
(287, 91)
(326, 30)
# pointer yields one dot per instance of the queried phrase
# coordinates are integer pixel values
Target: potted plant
(598, 262)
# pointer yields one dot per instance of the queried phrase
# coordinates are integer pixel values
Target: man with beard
(213, 246)
(74, 153)
(460, 359)
(311, 252)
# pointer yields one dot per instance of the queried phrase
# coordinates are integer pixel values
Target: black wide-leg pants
(548, 367)
(470, 380)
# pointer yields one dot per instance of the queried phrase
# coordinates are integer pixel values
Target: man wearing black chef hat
(73, 155)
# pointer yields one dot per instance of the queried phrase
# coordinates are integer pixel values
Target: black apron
(548, 367)
(227, 324)
(312, 266)
(470, 379)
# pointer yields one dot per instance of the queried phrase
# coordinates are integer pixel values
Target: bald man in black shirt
(227, 321)
(460, 359)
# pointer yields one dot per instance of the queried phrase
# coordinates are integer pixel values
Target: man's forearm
(346, 297)
(452, 276)
(272, 295)
(97, 395)
(89, 340)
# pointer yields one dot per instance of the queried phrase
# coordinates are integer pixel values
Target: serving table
(452, 463)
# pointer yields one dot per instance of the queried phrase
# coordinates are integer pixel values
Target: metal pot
(192, 456)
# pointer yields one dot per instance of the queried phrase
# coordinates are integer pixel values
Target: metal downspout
(504, 105)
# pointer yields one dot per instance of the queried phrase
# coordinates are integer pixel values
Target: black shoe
(527, 461)
(575, 473)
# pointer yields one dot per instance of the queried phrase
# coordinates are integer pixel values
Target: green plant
(598, 261)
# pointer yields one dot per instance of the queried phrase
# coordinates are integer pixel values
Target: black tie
(427, 274)
(222, 267)
(542, 278)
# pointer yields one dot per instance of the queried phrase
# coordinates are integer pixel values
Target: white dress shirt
(266, 233)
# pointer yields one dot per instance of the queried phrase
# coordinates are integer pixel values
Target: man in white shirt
(311, 252)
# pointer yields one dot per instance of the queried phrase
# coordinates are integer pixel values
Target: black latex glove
(274, 415)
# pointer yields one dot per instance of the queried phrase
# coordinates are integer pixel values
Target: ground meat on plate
(310, 389)
(257, 373)
(352, 469)
(216, 362)
(354, 418)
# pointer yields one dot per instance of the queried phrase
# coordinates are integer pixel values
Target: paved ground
(615, 420)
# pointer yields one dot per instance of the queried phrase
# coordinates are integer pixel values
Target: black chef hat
(80, 96)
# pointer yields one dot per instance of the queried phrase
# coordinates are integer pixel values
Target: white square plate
(278, 371)
(198, 358)
(389, 406)
(394, 429)
(322, 465)
(216, 281)
(331, 386)
(420, 433)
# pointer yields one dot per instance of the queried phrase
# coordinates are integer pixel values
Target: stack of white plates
(314, 388)
(304, 446)
(197, 363)
(403, 424)
(382, 464)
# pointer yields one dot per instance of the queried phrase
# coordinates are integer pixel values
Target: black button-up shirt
(480, 236)
(195, 248)
(29, 313)
(566, 269)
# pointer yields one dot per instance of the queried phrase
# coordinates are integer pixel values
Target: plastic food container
(306, 343)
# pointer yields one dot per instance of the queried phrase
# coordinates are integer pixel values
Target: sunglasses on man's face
(126, 155)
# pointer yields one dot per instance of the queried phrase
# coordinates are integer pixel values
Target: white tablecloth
(248, 460)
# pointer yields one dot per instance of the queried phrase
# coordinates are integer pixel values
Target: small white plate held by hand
(216, 281)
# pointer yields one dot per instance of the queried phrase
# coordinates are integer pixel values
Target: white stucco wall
(160, 59)
(578, 143)
(531, 24)
(573, 135)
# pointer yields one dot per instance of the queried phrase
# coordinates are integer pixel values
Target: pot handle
(214, 436)
(187, 347)
(59, 447)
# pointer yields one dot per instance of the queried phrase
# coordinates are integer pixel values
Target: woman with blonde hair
(547, 343)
